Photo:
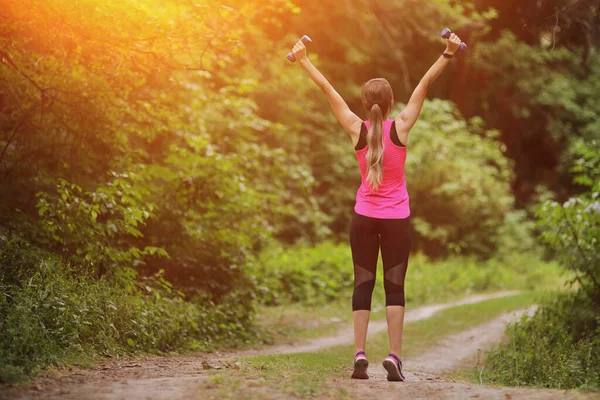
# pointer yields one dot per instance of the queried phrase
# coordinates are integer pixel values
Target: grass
(296, 322)
(421, 335)
(291, 323)
(558, 348)
(74, 321)
(316, 374)
(54, 318)
(427, 282)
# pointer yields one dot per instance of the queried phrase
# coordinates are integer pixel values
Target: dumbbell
(290, 55)
(446, 35)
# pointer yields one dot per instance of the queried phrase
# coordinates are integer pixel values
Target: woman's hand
(299, 50)
(453, 44)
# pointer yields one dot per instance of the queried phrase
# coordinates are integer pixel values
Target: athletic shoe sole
(393, 371)
(360, 369)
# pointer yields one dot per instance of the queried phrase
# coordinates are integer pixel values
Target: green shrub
(96, 230)
(325, 272)
(558, 347)
(303, 274)
(428, 281)
(52, 314)
(572, 229)
(459, 183)
(19, 259)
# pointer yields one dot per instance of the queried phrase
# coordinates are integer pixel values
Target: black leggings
(394, 237)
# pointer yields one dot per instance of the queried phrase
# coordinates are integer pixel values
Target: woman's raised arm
(349, 121)
(408, 117)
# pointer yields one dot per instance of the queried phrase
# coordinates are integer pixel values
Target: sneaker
(360, 366)
(393, 366)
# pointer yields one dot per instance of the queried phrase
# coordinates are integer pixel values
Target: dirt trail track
(347, 335)
(166, 378)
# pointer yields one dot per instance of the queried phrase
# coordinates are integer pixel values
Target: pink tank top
(390, 201)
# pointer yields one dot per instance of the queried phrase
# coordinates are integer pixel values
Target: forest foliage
(559, 346)
(171, 142)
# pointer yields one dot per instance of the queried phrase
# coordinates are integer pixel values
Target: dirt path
(455, 351)
(159, 378)
(346, 335)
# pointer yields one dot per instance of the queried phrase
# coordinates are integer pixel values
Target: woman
(382, 213)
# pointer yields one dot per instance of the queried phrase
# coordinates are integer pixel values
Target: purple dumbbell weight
(446, 35)
(290, 56)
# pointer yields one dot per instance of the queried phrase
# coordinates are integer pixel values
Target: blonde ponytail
(377, 98)
(374, 155)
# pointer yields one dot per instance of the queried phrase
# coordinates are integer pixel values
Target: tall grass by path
(556, 348)
(55, 318)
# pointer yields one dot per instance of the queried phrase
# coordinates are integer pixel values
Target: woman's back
(391, 199)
